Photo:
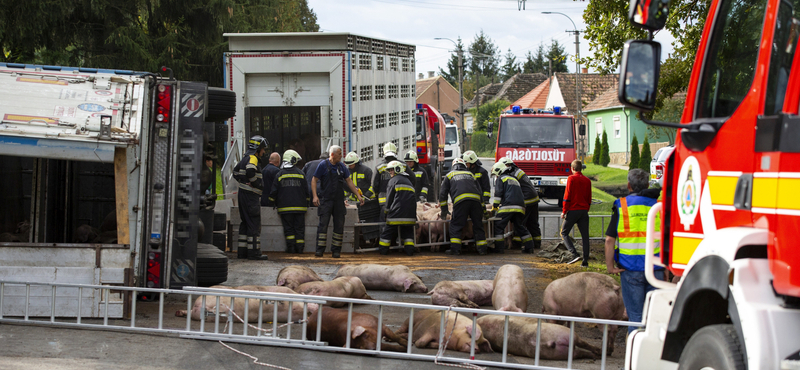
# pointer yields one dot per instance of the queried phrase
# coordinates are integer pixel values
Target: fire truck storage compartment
(296, 128)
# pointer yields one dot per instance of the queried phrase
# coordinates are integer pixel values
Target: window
(366, 153)
(354, 62)
(617, 130)
(393, 119)
(365, 61)
(406, 117)
(404, 91)
(379, 63)
(380, 92)
(366, 123)
(380, 121)
(598, 126)
(354, 92)
(365, 92)
(393, 64)
(392, 91)
(406, 64)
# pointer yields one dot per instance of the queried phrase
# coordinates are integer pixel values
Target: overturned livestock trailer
(101, 183)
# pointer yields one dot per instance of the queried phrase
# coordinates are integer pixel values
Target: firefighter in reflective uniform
(333, 175)
(382, 177)
(290, 195)
(361, 175)
(422, 179)
(248, 174)
(401, 210)
(509, 205)
(531, 196)
(465, 192)
(476, 167)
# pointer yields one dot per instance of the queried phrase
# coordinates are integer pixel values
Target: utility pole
(460, 52)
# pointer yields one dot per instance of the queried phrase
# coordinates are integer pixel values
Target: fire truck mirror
(489, 129)
(648, 14)
(639, 74)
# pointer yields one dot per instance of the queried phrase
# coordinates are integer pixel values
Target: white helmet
(506, 161)
(397, 166)
(291, 157)
(411, 156)
(470, 156)
(351, 158)
(458, 161)
(389, 150)
(499, 168)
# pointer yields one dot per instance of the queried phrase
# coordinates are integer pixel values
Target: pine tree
(644, 161)
(634, 163)
(597, 147)
(605, 159)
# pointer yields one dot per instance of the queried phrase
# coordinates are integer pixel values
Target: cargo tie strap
(443, 346)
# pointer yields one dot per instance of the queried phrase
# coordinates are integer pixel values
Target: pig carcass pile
(582, 294)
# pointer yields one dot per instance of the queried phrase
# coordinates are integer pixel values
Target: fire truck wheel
(212, 265)
(713, 347)
(221, 104)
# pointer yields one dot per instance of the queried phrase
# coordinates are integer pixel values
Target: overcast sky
(418, 22)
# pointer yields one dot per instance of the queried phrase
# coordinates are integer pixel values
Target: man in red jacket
(577, 199)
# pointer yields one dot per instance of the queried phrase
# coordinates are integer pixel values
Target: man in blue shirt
(332, 174)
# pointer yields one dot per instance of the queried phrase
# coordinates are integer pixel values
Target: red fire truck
(430, 144)
(730, 212)
(541, 143)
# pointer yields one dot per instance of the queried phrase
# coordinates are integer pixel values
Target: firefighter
(531, 204)
(381, 180)
(476, 167)
(333, 175)
(463, 188)
(401, 210)
(290, 194)
(422, 179)
(508, 204)
(248, 174)
(361, 175)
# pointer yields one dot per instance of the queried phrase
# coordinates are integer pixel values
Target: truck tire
(713, 347)
(212, 265)
(221, 104)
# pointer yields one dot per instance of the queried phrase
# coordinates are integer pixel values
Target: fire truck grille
(448, 153)
(537, 169)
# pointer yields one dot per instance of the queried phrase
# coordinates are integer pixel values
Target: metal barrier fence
(288, 338)
(489, 229)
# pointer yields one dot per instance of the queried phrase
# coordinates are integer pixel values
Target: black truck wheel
(221, 104)
(212, 265)
(713, 347)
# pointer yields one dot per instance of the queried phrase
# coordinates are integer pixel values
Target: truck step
(792, 362)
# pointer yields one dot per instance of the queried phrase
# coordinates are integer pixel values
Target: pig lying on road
(292, 276)
(379, 277)
(252, 304)
(510, 293)
(522, 338)
(586, 294)
(457, 327)
(364, 333)
(343, 287)
(469, 293)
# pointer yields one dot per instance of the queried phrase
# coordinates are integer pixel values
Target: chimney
(431, 74)
(584, 70)
(421, 75)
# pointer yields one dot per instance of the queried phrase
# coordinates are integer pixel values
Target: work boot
(319, 252)
(537, 244)
(298, 248)
(452, 252)
(335, 255)
(290, 247)
(241, 247)
(255, 254)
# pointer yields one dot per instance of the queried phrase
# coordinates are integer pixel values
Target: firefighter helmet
(506, 161)
(470, 156)
(256, 143)
(389, 150)
(397, 166)
(499, 168)
(411, 156)
(458, 161)
(291, 157)
(351, 158)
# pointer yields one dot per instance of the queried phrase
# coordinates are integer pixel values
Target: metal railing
(288, 338)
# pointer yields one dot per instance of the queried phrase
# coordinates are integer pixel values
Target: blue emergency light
(419, 106)
(516, 109)
(557, 110)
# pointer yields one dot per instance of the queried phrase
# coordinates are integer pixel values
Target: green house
(620, 123)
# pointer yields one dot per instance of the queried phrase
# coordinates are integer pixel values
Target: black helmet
(256, 143)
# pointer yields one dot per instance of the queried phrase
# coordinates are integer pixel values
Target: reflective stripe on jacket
(460, 185)
(508, 194)
(632, 231)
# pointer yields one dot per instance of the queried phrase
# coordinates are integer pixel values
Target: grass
(485, 154)
(606, 176)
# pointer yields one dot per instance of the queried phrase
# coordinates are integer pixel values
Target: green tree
(608, 29)
(488, 113)
(451, 75)
(671, 111)
(634, 152)
(511, 67)
(605, 159)
(644, 161)
(597, 151)
(535, 63)
(558, 56)
(484, 57)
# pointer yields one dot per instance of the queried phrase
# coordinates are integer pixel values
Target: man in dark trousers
(311, 167)
(421, 176)
(531, 195)
(625, 239)
(577, 199)
(333, 175)
(463, 189)
(248, 174)
(380, 182)
(401, 210)
(509, 205)
(290, 194)
(268, 177)
(475, 166)
(360, 174)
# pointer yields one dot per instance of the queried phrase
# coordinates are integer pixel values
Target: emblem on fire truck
(689, 192)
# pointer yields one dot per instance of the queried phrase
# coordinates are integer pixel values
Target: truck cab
(430, 133)
(541, 143)
(452, 145)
